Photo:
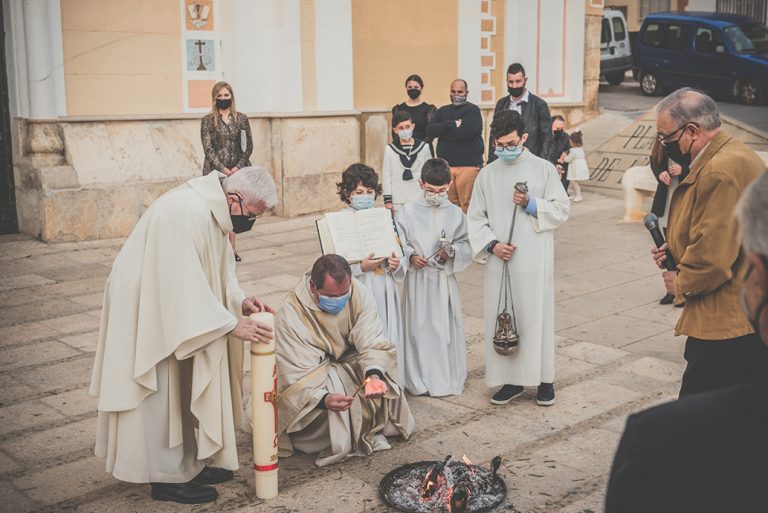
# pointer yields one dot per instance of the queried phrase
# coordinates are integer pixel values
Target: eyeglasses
(504, 146)
(665, 139)
(434, 192)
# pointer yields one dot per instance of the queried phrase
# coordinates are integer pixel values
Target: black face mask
(673, 152)
(222, 103)
(516, 92)
(413, 93)
(240, 223)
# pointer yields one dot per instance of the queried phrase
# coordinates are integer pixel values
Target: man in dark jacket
(706, 452)
(534, 110)
(459, 128)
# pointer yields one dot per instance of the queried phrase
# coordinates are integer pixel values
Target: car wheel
(615, 78)
(749, 92)
(650, 83)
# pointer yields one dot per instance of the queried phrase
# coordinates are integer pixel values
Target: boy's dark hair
(414, 78)
(506, 122)
(436, 171)
(400, 116)
(514, 68)
(332, 265)
(353, 176)
(558, 117)
(576, 138)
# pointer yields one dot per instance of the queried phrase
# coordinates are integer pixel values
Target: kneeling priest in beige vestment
(169, 363)
(337, 373)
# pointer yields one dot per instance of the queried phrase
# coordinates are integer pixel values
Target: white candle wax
(264, 415)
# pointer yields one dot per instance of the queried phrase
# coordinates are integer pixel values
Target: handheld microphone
(651, 223)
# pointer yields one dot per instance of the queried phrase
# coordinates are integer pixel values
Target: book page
(345, 236)
(377, 232)
(324, 234)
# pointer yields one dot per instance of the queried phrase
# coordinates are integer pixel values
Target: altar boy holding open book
(436, 244)
(366, 237)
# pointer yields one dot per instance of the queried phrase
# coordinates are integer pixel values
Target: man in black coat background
(534, 110)
(706, 452)
(561, 143)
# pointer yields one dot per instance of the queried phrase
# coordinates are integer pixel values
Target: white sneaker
(577, 199)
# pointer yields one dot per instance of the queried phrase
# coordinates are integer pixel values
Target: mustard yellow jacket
(703, 238)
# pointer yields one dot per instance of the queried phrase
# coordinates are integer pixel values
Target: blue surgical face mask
(362, 201)
(509, 154)
(405, 134)
(333, 305)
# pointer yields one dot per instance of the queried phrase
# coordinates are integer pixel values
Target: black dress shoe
(506, 394)
(667, 300)
(213, 475)
(183, 493)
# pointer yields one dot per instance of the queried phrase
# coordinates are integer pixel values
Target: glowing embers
(447, 486)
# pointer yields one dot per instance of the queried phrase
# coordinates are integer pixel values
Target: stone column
(592, 60)
(44, 58)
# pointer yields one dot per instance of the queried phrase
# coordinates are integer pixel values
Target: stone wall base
(84, 179)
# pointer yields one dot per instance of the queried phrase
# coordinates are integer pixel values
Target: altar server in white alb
(530, 255)
(434, 232)
(359, 188)
(169, 362)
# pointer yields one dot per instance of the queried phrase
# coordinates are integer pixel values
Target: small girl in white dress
(577, 169)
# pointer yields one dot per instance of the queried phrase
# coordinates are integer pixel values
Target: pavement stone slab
(662, 370)
(61, 376)
(34, 354)
(73, 403)
(615, 330)
(46, 446)
(593, 353)
(86, 342)
(14, 501)
(67, 481)
(28, 332)
(26, 415)
(73, 323)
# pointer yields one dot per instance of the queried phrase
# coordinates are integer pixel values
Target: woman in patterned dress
(226, 136)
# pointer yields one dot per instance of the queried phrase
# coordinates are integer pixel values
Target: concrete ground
(615, 355)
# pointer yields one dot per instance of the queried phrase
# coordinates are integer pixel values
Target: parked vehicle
(615, 51)
(723, 54)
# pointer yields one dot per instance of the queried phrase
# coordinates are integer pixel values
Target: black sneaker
(183, 493)
(506, 394)
(546, 395)
(667, 300)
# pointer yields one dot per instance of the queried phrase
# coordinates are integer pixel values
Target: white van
(615, 52)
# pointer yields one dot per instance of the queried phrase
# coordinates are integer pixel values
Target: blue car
(723, 54)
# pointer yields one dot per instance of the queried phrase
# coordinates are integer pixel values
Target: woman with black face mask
(421, 112)
(226, 136)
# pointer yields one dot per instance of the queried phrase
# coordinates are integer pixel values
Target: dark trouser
(715, 364)
(563, 178)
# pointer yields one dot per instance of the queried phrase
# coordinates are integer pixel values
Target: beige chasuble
(319, 353)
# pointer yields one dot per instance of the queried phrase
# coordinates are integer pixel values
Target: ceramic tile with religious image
(201, 55)
(198, 14)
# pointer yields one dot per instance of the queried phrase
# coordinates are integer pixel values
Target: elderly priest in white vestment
(530, 257)
(169, 363)
(337, 373)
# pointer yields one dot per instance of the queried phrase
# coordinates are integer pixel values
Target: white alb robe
(383, 285)
(435, 348)
(168, 378)
(531, 266)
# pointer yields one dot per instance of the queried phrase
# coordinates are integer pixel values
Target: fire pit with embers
(448, 486)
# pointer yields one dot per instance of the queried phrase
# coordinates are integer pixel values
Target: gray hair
(687, 105)
(254, 183)
(752, 213)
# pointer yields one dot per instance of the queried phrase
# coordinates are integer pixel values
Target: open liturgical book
(355, 234)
